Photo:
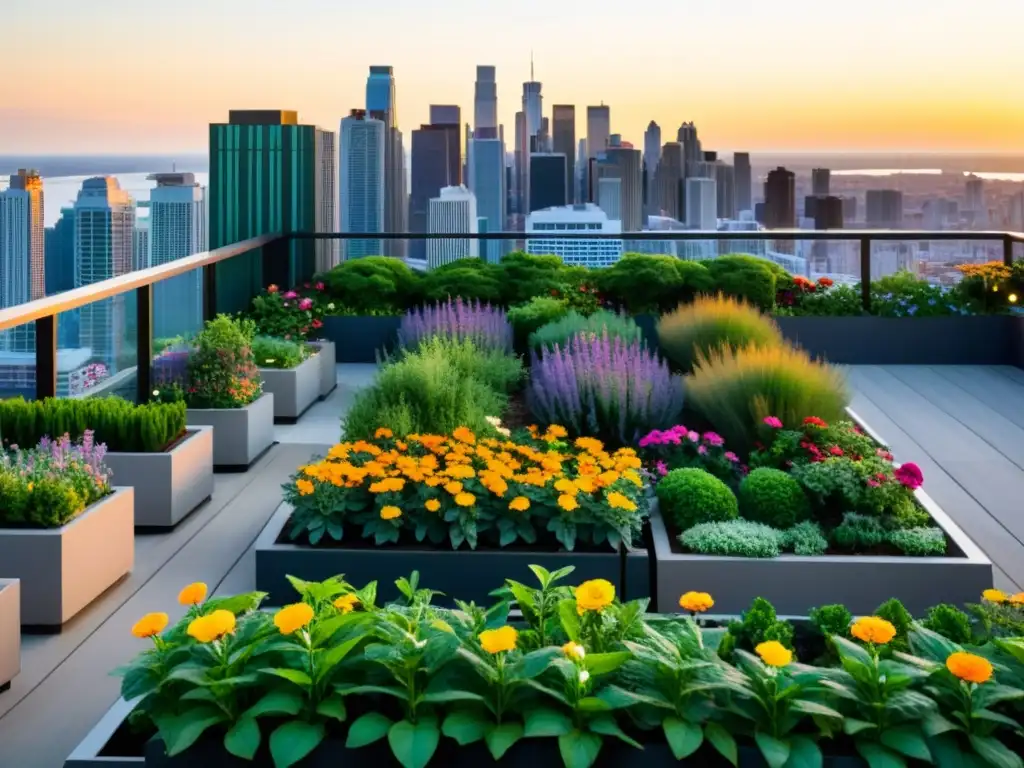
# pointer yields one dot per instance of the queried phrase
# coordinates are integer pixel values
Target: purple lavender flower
(486, 326)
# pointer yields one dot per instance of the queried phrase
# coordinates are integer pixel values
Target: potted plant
(291, 373)
(149, 447)
(64, 532)
(10, 631)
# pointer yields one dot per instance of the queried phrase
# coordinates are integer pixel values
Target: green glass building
(267, 174)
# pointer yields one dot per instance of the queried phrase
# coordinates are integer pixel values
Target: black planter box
(358, 338)
(463, 574)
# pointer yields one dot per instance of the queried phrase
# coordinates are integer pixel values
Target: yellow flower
(696, 602)
(608, 478)
(465, 499)
(383, 433)
(584, 484)
(594, 595)
(617, 500)
(519, 504)
(346, 603)
(872, 629)
(454, 487)
(460, 472)
(433, 482)
(193, 594)
(498, 640)
(633, 477)
(303, 486)
(1017, 599)
(590, 444)
(432, 505)
(557, 431)
(293, 617)
(774, 653)
(212, 627)
(567, 502)
(564, 485)
(464, 435)
(31, 486)
(150, 624)
(574, 650)
(967, 666)
(390, 513)
(995, 596)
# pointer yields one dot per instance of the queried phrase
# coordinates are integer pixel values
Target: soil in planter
(517, 415)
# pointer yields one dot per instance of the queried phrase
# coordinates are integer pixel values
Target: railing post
(276, 264)
(209, 292)
(46, 357)
(144, 343)
(1008, 251)
(865, 273)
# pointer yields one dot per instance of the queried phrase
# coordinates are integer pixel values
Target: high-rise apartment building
(821, 182)
(488, 182)
(362, 182)
(436, 164)
(326, 218)
(60, 253)
(599, 129)
(652, 154)
(974, 194)
(264, 178)
(884, 209)
(547, 180)
(453, 211)
(518, 163)
(140, 244)
(381, 105)
(528, 137)
(687, 136)
(485, 103)
(744, 181)
(22, 252)
(625, 163)
(701, 204)
(780, 199)
(609, 197)
(104, 231)
(563, 140)
(725, 186)
(668, 181)
(549, 232)
(849, 208)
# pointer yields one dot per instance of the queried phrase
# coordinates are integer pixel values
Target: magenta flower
(773, 421)
(290, 295)
(305, 304)
(909, 475)
(320, 286)
(730, 456)
(702, 450)
(693, 437)
(873, 483)
(662, 468)
(714, 439)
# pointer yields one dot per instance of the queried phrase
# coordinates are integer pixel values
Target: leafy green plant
(772, 497)
(896, 614)
(747, 278)
(527, 318)
(372, 284)
(832, 620)
(469, 279)
(293, 315)
(806, 538)
(560, 332)
(859, 532)
(645, 284)
(690, 496)
(500, 371)
(919, 542)
(950, 622)
(278, 353)
(758, 624)
(222, 372)
(733, 538)
(524, 276)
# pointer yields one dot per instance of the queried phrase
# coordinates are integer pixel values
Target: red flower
(825, 282)
(835, 450)
(814, 421)
(554, 291)
(272, 288)
(317, 324)
(884, 454)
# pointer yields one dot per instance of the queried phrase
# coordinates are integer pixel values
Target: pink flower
(773, 421)
(305, 304)
(714, 439)
(290, 295)
(730, 456)
(662, 468)
(873, 483)
(320, 286)
(909, 475)
(693, 437)
(884, 454)
(703, 449)
(835, 450)
(317, 324)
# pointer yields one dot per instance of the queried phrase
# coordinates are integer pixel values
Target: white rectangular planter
(328, 367)
(10, 631)
(168, 485)
(294, 389)
(64, 569)
(240, 435)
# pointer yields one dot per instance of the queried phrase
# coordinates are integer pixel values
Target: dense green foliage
(747, 278)
(644, 284)
(270, 352)
(560, 332)
(772, 497)
(691, 496)
(528, 318)
(733, 538)
(221, 370)
(372, 284)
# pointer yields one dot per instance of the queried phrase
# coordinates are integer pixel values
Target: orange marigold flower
(465, 499)
(464, 435)
(594, 595)
(303, 486)
(499, 640)
(567, 502)
(557, 431)
(383, 433)
(151, 624)
(995, 596)
(432, 505)
(519, 504)
(968, 667)
(774, 653)
(618, 500)
(390, 513)
(193, 594)
(565, 485)
(872, 629)
(696, 602)
(346, 603)
(454, 487)
(212, 627)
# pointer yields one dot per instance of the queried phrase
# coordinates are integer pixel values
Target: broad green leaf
(995, 717)
(444, 697)
(189, 674)
(592, 704)
(335, 656)
(935, 725)
(605, 725)
(1012, 646)
(533, 663)
(138, 681)
(853, 726)
(501, 738)
(367, 729)
(570, 619)
(990, 693)
(722, 741)
(543, 721)
(466, 726)
(619, 698)
(523, 595)
(775, 751)
(183, 731)
(808, 707)
(579, 749)
(200, 694)
(542, 574)
(351, 690)
(413, 744)
(683, 738)
(877, 756)
(292, 675)
(292, 741)
(237, 604)
(603, 663)
(804, 753)
(243, 738)
(994, 753)
(277, 703)
(907, 740)
(333, 708)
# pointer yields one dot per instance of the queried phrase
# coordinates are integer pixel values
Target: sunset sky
(121, 77)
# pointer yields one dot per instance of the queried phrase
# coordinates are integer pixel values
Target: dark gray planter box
(360, 337)
(240, 435)
(328, 367)
(169, 485)
(463, 574)
(294, 389)
(10, 631)
(94, 750)
(64, 569)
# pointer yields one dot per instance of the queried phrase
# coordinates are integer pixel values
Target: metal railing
(276, 270)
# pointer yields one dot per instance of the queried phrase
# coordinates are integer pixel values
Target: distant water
(987, 175)
(62, 191)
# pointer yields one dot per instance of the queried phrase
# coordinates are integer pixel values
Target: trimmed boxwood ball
(772, 497)
(692, 496)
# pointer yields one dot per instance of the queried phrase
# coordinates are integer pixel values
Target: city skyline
(761, 78)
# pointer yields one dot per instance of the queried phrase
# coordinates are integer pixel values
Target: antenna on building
(531, 65)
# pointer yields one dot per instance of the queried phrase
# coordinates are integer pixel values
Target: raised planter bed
(294, 389)
(470, 574)
(360, 337)
(240, 435)
(64, 569)
(328, 367)
(10, 631)
(170, 485)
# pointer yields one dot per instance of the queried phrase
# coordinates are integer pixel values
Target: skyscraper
(668, 180)
(436, 164)
(326, 251)
(884, 208)
(652, 153)
(1017, 212)
(381, 105)
(780, 199)
(60, 253)
(609, 197)
(487, 181)
(518, 163)
(625, 163)
(563, 135)
(452, 211)
(547, 180)
(177, 228)
(485, 103)
(22, 254)
(599, 129)
(820, 181)
(725, 185)
(104, 228)
(744, 181)
(701, 204)
(263, 178)
(140, 244)
(687, 136)
(528, 137)
(362, 177)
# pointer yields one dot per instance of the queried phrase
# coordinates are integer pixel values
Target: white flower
(156, 393)
(494, 421)
(584, 676)
(331, 305)
(419, 643)
(503, 432)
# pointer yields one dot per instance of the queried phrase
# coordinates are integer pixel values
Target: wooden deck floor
(963, 426)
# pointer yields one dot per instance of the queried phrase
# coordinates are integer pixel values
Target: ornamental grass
(457, 320)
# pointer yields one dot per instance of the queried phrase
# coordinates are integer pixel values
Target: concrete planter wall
(240, 435)
(360, 337)
(328, 367)
(294, 389)
(64, 569)
(92, 751)
(10, 631)
(169, 485)
(465, 574)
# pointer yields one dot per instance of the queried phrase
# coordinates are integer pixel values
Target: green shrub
(859, 532)
(372, 284)
(269, 352)
(710, 323)
(691, 496)
(524, 276)
(745, 277)
(906, 513)
(950, 622)
(646, 284)
(123, 426)
(423, 392)
(896, 614)
(499, 371)
(760, 624)
(919, 542)
(772, 497)
(561, 331)
(806, 538)
(469, 279)
(221, 370)
(733, 538)
(832, 620)
(528, 318)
